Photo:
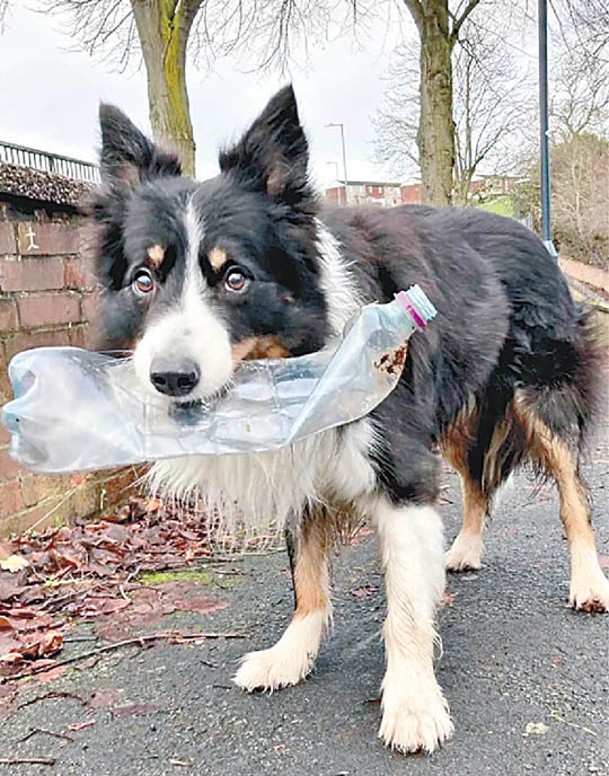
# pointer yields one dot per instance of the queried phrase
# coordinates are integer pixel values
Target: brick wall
(46, 298)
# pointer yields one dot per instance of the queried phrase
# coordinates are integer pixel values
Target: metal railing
(46, 162)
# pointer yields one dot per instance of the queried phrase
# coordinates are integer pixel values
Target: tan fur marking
(217, 257)
(257, 348)
(466, 550)
(560, 462)
(311, 577)
(455, 444)
(589, 587)
(156, 254)
(456, 440)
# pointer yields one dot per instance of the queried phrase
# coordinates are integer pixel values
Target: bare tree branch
(3, 9)
(416, 9)
(459, 19)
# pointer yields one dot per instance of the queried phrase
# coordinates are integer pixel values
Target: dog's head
(197, 276)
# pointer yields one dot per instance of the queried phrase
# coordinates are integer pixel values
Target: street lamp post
(542, 20)
(337, 179)
(342, 140)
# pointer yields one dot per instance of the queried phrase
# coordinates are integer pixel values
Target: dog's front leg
(293, 656)
(415, 713)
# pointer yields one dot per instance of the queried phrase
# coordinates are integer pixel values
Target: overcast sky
(49, 95)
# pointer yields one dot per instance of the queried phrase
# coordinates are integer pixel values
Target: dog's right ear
(127, 157)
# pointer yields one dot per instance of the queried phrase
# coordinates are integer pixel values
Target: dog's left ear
(273, 154)
(128, 157)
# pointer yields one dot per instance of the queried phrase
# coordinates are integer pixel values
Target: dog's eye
(143, 282)
(236, 280)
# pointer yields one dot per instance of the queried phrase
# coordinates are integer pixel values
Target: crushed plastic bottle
(75, 410)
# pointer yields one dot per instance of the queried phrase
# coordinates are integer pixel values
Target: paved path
(514, 655)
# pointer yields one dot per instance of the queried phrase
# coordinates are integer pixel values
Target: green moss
(180, 575)
(195, 576)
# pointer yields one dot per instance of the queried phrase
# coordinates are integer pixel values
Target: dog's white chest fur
(274, 487)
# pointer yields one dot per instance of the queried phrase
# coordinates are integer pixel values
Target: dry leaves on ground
(90, 571)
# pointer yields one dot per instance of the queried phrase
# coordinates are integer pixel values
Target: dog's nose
(174, 378)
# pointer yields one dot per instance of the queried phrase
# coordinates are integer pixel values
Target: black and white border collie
(197, 277)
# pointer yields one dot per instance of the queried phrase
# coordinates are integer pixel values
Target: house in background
(410, 194)
(380, 193)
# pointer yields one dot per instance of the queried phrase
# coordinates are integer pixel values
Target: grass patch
(502, 206)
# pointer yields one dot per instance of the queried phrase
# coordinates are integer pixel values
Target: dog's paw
(465, 553)
(589, 591)
(413, 724)
(272, 669)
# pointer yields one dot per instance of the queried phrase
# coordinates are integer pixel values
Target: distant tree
(165, 31)
(160, 30)
(580, 94)
(492, 111)
(580, 197)
(438, 24)
(579, 157)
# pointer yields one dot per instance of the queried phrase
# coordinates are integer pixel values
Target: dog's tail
(543, 396)
(591, 374)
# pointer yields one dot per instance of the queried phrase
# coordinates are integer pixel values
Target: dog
(198, 277)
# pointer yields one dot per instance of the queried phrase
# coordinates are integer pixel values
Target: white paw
(589, 591)
(271, 669)
(414, 722)
(465, 553)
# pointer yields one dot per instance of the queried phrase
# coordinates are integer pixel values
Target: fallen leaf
(132, 710)
(5, 623)
(536, 729)
(107, 696)
(51, 674)
(201, 605)
(76, 726)
(365, 591)
(11, 657)
(6, 550)
(14, 563)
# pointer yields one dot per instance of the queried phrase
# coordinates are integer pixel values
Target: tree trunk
(435, 136)
(163, 27)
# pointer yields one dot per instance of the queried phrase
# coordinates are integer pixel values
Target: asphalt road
(516, 659)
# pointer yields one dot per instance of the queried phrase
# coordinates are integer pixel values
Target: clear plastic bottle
(75, 410)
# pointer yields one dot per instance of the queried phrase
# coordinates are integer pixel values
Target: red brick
(119, 485)
(41, 516)
(49, 309)
(89, 306)
(9, 469)
(8, 315)
(24, 340)
(77, 275)
(78, 336)
(38, 487)
(31, 274)
(40, 239)
(6, 392)
(10, 498)
(7, 238)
